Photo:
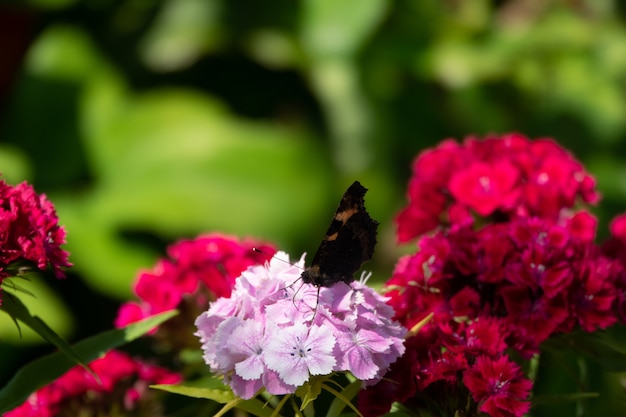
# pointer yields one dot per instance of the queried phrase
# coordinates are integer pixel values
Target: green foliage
(16, 310)
(213, 389)
(38, 299)
(46, 369)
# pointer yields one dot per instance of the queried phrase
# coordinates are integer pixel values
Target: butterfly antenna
(293, 300)
(317, 303)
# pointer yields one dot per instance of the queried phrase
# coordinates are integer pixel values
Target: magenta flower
(498, 386)
(486, 187)
(502, 177)
(197, 271)
(30, 233)
(123, 388)
(507, 265)
(274, 333)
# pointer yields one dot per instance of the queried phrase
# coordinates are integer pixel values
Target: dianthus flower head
(535, 277)
(498, 386)
(197, 271)
(30, 233)
(496, 178)
(615, 248)
(275, 333)
(505, 287)
(122, 388)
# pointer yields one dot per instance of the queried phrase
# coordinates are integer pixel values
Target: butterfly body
(348, 243)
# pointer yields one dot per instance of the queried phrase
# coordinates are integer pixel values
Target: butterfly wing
(348, 243)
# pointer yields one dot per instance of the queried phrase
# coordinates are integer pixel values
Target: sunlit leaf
(348, 394)
(339, 28)
(46, 369)
(310, 390)
(40, 300)
(13, 306)
(343, 398)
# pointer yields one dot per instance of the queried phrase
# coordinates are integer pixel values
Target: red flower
(29, 231)
(483, 336)
(205, 267)
(498, 386)
(420, 218)
(507, 286)
(531, 319)
(582, 225)
(485, 187)
(615, 248)
(594, 296)
(499, 177)
(507, 265)
(123, 386)
(196, 272)
(398, 385)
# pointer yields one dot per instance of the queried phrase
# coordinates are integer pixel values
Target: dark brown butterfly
(348, 243)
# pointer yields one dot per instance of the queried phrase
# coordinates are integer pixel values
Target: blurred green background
(147, 121)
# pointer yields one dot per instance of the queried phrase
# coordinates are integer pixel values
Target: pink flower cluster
(123, 390)
(504, 279)
(30, 232)
(275, 333)
(200, 269)
(499, 177)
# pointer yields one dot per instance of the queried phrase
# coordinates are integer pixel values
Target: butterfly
(349, 242)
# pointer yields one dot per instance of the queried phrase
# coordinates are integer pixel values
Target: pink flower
(359, 349)
(123, 386)
(270, 335)
(499, 387)
(299, 351)
(30, 233)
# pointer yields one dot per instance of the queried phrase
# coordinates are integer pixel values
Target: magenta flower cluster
(275, 333)
(122, 389)
(510, 264)
(30, 232)
(504, 177)
(197, 270)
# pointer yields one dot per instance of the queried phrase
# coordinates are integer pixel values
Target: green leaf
(46, 369)
(256, 407)
(222, 395)
(563, 398)
(311, 390)
(341, 397)
(213, 389)
(14, 307)
(600, 347)
(339, 28)
(339, 403)
(41, 300)
(203, 180)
